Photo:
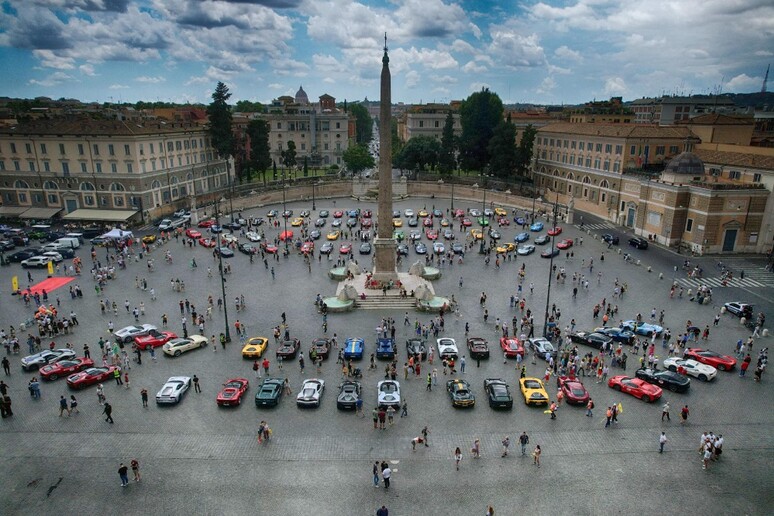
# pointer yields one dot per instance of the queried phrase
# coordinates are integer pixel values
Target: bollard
(660, 275)
(722, 309)
(765, 332)
(649, 269)
(619, 250)
(742, 320)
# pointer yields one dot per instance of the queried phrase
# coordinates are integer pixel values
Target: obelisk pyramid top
(385, 59)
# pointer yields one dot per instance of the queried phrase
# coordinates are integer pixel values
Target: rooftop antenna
(765, 79)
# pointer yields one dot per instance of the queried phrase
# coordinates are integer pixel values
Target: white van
(71, 242)
(79, 236)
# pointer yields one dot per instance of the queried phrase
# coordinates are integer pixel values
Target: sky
(543, 52)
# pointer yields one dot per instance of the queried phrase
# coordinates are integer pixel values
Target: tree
(219, 113)
(479, 114)
(502, 149)
(260, 153)
(420, 152)
(245, 106)
(289, 155)
(524, 151)
(363, 123)
(446, 159)
(357, 158)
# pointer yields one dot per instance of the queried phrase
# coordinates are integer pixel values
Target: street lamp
(550, 272)
(284, 214)
(315, 184)
(220, 270)
(452, 198)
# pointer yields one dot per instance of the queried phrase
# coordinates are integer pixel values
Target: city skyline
(549, 52)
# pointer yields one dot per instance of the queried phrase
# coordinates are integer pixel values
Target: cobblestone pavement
(198, 458)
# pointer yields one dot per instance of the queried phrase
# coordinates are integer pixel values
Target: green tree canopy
(419, 152)
(260, 153)
(447, 160)
(363, 123)
(219, 114)
(357, 158)
(524, 151)
(479, 114)
(246, 106)
(289, 155)
(502, 149)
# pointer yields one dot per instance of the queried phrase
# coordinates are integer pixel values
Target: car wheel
(177, 353)
(646, 398)
(703, 378)
(673, 388)
(53, 377)
(617, 387)
(721, 367)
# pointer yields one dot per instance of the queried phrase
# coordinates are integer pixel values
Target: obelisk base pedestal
(384, 260)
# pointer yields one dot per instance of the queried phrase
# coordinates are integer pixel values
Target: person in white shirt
(662, 441)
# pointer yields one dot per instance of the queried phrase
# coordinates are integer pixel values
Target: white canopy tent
(118, 234)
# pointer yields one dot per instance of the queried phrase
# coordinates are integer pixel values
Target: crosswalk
(601, 225)
(717, 282)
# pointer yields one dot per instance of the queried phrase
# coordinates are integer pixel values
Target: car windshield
(531, 384)
(388, 388)
(309, 392)
(577, 391)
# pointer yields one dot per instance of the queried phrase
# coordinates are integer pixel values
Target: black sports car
(460, 393)
(478, 347)
(595, 340)
(247, 248)
(416, 346)
(671, 380)
(288, 349)
(321, 346)
(269, 393)
(498, 392)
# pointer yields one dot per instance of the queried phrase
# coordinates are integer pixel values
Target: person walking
(424, 432)
(386, 475)
(390, 414)
(662, 440)
(429, 382)
(123, 473)
(63, 406)
(382, 418)
(476, 450)
(684, 415)
(74, 405)
(382, 511)
(536, 455)
(506, 443)
(609, 416)
(375, 415)
(665, 412)
(108, 412)
(457, 457)
(376, 473)
(135, 464)
(523, 441)
(144, 397)
(197, 388)
(590, 408)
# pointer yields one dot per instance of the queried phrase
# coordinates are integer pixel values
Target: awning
(12, 211)
(40, 213)
(101, 215)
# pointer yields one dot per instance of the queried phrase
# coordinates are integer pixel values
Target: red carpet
(52, 284)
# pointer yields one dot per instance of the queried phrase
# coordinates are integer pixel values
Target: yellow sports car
(500, 212)
(149, 239)
(477, 234)
(298, 221)
(506, 247)
(533, 391)
(333, 235)
(255, 347)
(444, 223)
(423, 213)
(397, 223)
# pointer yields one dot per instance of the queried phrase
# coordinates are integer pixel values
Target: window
(572, 160)
(53, 198)
(573, 144)
(88, 200)
(118, 201)
(552, 143)
(28, 148)
(16, 165)
(734, 174)
(618, 149)
(186, 144)
(673, 149)
(127, 149)
(151, 147)
(178, 145)
(303, 146)
(13, 148)
(65, 168)
(599, 147)
(569, 188)
(279, 125)
(2, 165)
(632, 150)
(603, 197)
(170, 146)
(43, 149)
(597, 162)
(99, 167)
(22, 198)
(96, 149)
(688, 225)
(588, 162)
(61, 148)
(114, 167)
(142, 149)
(421, 123)
(437, 124)
(129, 168)
(31, 165)
(565, 143)
(581, 145)
(47, 166)
(338, 125)
(21, 184)
(606, 166)
(757, 178)
(86, 187)
(83, 167)
(80, 149)
(608, 148)
(660, 150)
(616, 166)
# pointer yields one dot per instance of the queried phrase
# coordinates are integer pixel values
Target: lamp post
(452, 198)
(284, 214)
(220, 270)
(550, 273)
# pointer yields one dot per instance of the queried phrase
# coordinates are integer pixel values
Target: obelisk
(384, 244)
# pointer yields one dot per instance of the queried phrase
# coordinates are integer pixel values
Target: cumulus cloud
(743, 83)
(150, 80)
(565, 52)
(87, 69)
(118, 87)
(48, 59)
(547, 85)
(514, 49)
(53, 79)
(431, 18)
(615, 86)
(412, 79)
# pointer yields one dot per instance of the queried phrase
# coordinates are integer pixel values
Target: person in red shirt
(745, 364)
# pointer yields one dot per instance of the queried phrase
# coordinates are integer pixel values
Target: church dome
(301, 97)
(687, 164)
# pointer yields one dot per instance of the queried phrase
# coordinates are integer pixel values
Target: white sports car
(388, 394)
(310, 393)
(174, 390)
(130, 332)
(703, 372)
(447, 348)
(176, 347)
(252, 236)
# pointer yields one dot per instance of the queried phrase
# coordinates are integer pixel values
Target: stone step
(379, 302)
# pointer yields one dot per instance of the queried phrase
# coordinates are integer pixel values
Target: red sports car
(511, 347)
(307, 247)
(431, 234)
(154, 339)
(365, 223)
(711, 358)
(459, 213)
(636, 387)
(270, 248)
(428, 222)
(564, 244)
(338, 214)
(367, 214)
(207, 242)
(207, 223)
(556, 230)
(65, 368)
(503, 221)
(192, 233)
(90, 376)
(574, 391)
(345, 248)
(466, 222)
(231, 393)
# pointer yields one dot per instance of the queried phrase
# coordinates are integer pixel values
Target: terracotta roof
(720, 119)
(737, 159)
(89, 127)
(618, 130)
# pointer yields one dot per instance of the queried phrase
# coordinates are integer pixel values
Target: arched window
(570, 176)
(21, 184)
(188, 176)
(156, 184)
(50, 185)
(174, 180)
(604, 184)
(117, 187)
(586, 180)
(86, 186)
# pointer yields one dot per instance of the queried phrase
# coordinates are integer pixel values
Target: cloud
(87, 69)
(276, 86)
(116, 6)
(54, 79)
(513, 49)
(474, 67)
(615, 86)
(547, 85)
(743, 83)
(431, 19)
(764, 53)
(118, 87)
(49, 59)
(151, 80)
(565, 52)
(446, 79)
(412, 79)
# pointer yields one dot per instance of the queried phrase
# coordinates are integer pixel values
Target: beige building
(428, 120)
(66, 166)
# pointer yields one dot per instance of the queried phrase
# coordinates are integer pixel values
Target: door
(729, 240)
(71, 205)
(630, 217)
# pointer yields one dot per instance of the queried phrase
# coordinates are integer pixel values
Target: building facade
(428, 120)
(61, 166)
(669, 110)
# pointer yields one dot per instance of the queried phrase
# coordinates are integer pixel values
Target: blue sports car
(354, 349)
(521, 237)
(537, 226)
(641, 328)
(520, 220)
(385, 348)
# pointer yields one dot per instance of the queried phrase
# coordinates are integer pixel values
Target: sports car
(324, 213)
(574, 391)
(349, 393)
(500, 212)
(499, 393)
(91, 376)
(556, 230)
(365, 248)
(326, 248)
(288, 349)
(286, 236)
(505, 247)
(367, 223)
(423, 213)
(460, 393)
(537, 226)
(415, 235)
(270, 248)
(641, 328)
(416, 347)
(321, 347)
(564, 244)
(548, 253)
(711, 358)
(466, 222)
(408, 212)
(315, 234)
(298, 221)
(542, 346)
(521, 237)
(431, 234)
(458, 248)
(397, 223)
(32, 362)
(311, 392)
(247, 248)
(520, 220)
(231, 393)
(420, 248)
(428, 223)
(478, 348)
(192, 233)
(207, 242)
(703, 372)
(671, 380)
(638, 243)
(64, 368)
(448, 234)
(447, 347)
(636, 387)
(617, 334)
(511, 347)
(319, 223)
(395, 214)
(437, 213)
(177, 347)
(206, 223)
(595, 340)
(542, 240)
(402, 250)
(345, 248)
(128, 334)
(174, 390)
(333, 235)
(385, 348)
(228, 238)
(482, 221)
(439, 248)
(477, 234)
(494, 234)
(413, 222)
(388, 394)
(739, 309)
(154, 339)
(502, 221)
(525, 250)
(149, 239)
(367, 214)
(444, 223)
(287, 214)
(533, 391)
(399, 235)
(305, 213)
(216, 229)
(353, 348)
(269, 393)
